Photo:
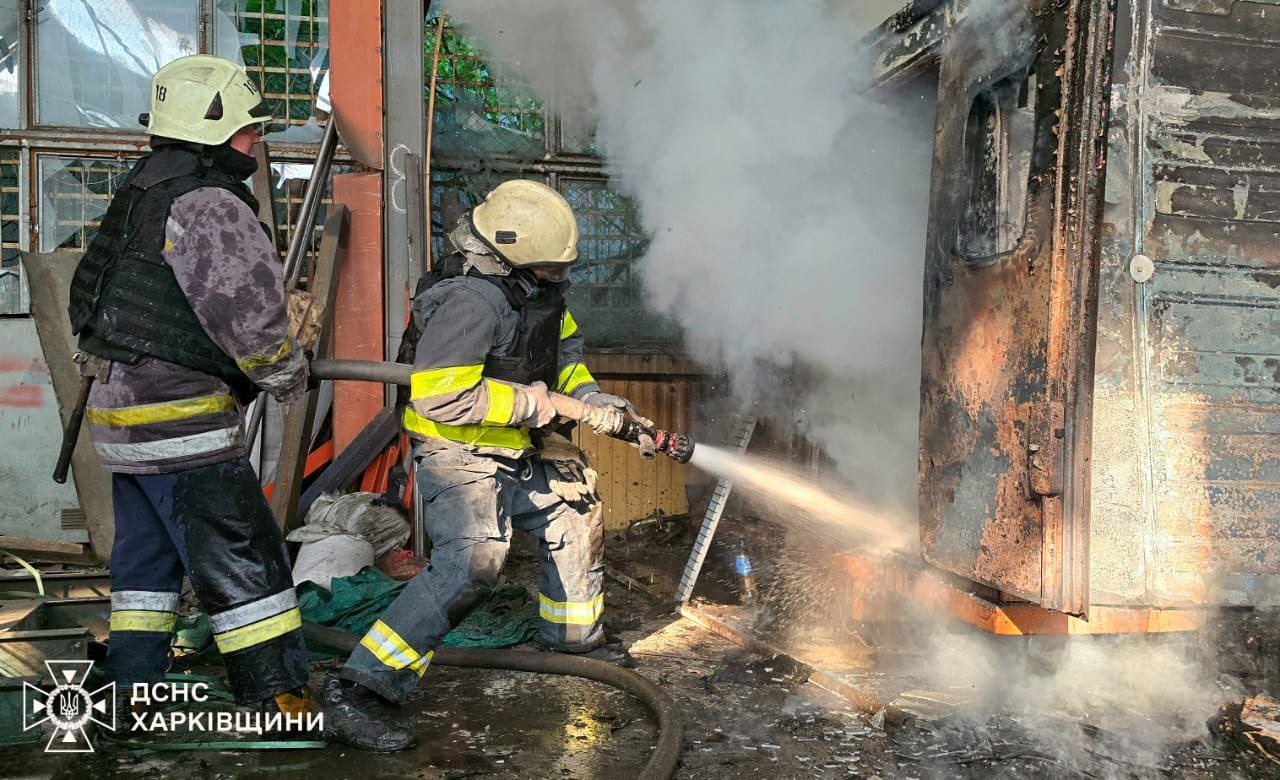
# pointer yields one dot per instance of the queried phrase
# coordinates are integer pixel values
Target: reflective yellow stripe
(166, 411)
(574, 376)
(567, 326)
(143, 620)
(439, 381)
(577, 613)
(267, 356)
(502, 403)
(499, 436)
(392, 651)
(257, 633)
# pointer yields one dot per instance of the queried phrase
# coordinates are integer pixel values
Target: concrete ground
(745, 716)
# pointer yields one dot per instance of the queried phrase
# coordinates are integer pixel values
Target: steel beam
(405, 130)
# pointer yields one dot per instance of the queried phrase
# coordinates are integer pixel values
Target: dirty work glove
(602, 400)
(568, 471)
(604, 420)
(571, 481)
(539, 411)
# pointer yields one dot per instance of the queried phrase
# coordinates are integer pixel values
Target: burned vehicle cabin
(1100, 427)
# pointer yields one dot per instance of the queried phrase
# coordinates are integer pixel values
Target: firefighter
(182, 291)
(490, 334)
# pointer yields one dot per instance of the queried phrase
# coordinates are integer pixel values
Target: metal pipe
(307, 211)
(311, 197)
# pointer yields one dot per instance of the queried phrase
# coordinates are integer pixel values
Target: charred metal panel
(1009, 300)
(1187, 420)
(908, 43)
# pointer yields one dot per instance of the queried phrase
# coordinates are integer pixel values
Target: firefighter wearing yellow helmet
(181, 289)
(490, 334)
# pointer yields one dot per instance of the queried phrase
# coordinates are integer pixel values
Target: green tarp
(508, 617)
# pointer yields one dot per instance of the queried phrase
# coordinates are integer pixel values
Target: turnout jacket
(467, 322)
(156, 417)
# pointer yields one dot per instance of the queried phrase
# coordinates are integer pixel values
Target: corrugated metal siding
(665, 389)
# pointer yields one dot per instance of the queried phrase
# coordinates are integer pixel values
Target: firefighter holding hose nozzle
(490, 340)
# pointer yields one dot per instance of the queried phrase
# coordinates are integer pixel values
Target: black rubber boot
(614, 653)
(354, 715)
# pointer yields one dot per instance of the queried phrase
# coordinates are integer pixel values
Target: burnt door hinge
(1046, 453)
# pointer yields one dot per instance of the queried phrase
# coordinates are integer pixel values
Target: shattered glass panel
(11, 43)
(607, 296)
(289, 181)
(284, 44)
(13, 295)
(95, 58)
(74, 194)
(480, 110)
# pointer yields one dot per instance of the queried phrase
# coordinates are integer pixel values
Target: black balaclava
(232, 162)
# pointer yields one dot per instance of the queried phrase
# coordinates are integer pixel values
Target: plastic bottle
(746, 574)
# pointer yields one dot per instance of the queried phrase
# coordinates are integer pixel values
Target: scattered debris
(778, 669)
(1252, 725)
(45, 551)
(627, 580)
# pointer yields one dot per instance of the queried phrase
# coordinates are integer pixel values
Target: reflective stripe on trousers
(578, 613)
(143, 610)
(256, 622)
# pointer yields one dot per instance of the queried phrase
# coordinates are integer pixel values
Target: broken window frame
(959, 90)
(30, 141)
(999, 136)
(110, 65)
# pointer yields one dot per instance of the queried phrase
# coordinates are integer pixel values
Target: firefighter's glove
(304, 318)
(604, 420)
(538, 410)
(572, 482)
(603, 400)
(569, 473)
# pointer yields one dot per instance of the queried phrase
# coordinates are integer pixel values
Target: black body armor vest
(534, 355)
(126, 303)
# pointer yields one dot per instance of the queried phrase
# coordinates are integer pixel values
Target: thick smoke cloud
(787, 205)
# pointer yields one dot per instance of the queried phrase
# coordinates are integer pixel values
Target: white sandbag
(338, 555)
(368, 516)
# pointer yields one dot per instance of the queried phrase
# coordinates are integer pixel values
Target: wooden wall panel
(664, 389)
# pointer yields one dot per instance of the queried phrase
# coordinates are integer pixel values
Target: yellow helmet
(204, 100)
(527, 223)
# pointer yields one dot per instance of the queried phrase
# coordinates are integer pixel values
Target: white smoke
(787, 206)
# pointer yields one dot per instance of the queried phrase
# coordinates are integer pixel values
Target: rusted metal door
(1009, 301)
(1189, 342)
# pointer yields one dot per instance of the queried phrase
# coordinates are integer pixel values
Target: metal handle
(71, 434)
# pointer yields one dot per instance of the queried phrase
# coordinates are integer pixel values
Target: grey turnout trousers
(472, 504)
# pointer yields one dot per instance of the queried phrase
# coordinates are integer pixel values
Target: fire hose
(661, 764)
(666, 754)
(677, 446)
